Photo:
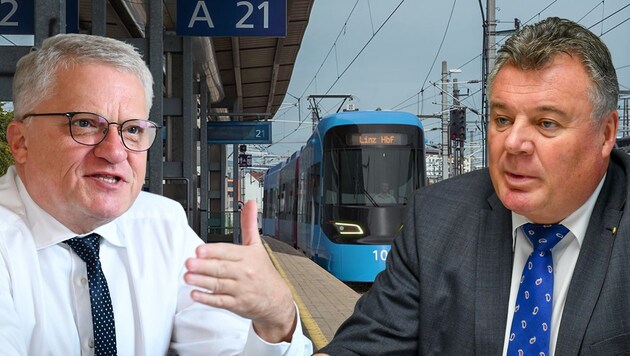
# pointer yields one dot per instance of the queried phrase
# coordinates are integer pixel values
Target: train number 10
(380, 255)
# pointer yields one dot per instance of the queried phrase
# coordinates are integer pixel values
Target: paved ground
(328, 300)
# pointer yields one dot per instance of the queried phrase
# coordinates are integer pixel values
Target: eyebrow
(537, 109)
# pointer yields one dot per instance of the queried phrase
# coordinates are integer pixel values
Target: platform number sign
(232, 18)
(239, 132)
(16, 18)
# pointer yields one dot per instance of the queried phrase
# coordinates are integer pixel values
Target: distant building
(433, 160)
(434, 166)
(251, 186)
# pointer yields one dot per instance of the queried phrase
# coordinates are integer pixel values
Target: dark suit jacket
(446, 287)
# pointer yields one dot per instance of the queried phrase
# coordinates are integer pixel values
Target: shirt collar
(48, 231)
(576, 222)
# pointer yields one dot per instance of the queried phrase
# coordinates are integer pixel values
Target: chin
(108, 210)
(520, 203)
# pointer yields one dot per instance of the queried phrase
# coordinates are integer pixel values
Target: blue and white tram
(355, 175)
(288, 200)
(271, 183)
(358, 171)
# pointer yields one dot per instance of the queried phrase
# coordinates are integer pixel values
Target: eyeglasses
(91, 129)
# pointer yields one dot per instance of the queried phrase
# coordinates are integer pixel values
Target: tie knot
(545, 237)
(86, 247)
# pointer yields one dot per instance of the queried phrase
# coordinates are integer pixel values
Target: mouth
(515, 175)
(516, 178)
(107, 178)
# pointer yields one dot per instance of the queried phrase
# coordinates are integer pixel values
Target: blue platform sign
(232, 18)
(17, 17)
(239, 132)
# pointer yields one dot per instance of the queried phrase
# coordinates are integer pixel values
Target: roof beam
(238, 81)
(273, 81)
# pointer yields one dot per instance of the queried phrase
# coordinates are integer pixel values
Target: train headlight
(348, 228)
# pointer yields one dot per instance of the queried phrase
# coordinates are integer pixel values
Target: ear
(608, 128)
(16, 137)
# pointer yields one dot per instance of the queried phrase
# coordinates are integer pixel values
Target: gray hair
(535, 46)
(35, 72)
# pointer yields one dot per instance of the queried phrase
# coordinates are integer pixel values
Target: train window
(371, 176)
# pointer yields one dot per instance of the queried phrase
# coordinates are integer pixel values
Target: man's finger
(249, 224)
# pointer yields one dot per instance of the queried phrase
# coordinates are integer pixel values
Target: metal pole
(490, 52)
(204, 175)
(49, 19)
(236, 193)
(445, 115)
(155, 56)
(492, 28)
(458, 149)
(99, 17)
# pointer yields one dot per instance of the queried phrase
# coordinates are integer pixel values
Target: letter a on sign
(201, 7)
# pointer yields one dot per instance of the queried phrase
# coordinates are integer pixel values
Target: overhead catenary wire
(591, 10)
(333, 48)
(420, 96)
(614, 27)
(607, 17)
(537, 14)
(437, 53)
(365, 46)
(341, 31)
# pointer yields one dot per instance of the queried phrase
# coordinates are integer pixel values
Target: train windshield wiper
(365, 192)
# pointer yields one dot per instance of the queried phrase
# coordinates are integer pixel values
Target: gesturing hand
(242, 279)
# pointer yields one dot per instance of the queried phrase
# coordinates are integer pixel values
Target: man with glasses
(89, 264)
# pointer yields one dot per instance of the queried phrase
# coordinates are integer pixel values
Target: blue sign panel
(17, 17)
(237, 132)
(232, 18)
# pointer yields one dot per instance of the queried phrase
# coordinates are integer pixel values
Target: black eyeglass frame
(71, 114)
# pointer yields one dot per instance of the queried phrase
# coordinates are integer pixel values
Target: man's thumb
(249, 223)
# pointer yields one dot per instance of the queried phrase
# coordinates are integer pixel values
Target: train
(341, 198)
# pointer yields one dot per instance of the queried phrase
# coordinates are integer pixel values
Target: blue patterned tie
(102, 312)
(531, 324)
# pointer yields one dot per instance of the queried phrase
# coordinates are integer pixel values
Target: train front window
(371, 176)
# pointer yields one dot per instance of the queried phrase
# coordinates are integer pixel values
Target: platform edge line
(314, 332)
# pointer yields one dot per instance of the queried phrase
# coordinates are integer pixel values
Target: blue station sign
(232, 18)
(239, 132)
(17, 17)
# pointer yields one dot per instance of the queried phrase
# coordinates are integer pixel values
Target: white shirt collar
(48, 231)
(576, 222)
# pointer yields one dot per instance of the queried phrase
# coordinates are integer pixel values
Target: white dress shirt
(565, 255)
(44, 294)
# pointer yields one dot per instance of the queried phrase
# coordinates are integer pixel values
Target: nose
(112, 148)
(519, 138)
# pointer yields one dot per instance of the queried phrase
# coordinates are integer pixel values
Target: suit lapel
(592, 264)
(494, 273)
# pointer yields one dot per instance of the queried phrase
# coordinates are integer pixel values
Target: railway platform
(323, 300)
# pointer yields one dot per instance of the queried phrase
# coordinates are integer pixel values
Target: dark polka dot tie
(531, 324)
(102, 312)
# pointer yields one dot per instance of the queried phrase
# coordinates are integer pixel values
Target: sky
(388, 54)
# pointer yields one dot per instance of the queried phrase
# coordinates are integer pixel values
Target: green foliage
(6, 159)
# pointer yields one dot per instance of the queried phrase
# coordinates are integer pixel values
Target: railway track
(359, 287)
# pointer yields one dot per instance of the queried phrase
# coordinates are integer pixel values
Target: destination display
(376, 139)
